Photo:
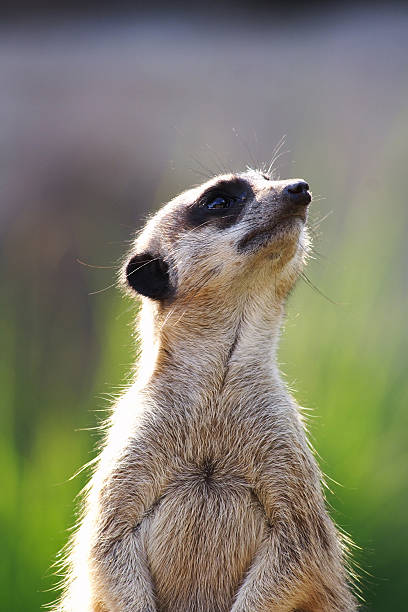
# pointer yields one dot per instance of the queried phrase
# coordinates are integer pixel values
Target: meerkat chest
(207, 523)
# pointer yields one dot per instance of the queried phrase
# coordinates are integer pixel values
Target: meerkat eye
(219, 202)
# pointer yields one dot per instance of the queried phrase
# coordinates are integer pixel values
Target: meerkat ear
(149, 275)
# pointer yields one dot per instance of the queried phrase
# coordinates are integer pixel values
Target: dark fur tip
(148, 275)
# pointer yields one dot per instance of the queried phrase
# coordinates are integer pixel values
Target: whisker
(195, 171)
(83, 263)
(276, 153)
(315, 288)
(102, 290)
(271, 170)
(221, 165)
(127, 275)
(246, 147)
(319, 221)
(207, 173)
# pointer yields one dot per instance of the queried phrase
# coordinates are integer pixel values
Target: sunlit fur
(206, 496)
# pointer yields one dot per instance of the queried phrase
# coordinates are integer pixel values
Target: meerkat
(206, 496)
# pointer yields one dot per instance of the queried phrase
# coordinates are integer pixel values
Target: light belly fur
(200, 540)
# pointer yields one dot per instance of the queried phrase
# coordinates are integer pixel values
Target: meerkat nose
(298, 193)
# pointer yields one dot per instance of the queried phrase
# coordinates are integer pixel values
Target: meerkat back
(206, 496)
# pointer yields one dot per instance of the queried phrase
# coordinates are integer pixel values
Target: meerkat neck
(216, 347)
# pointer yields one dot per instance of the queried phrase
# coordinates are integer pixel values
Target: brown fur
(206, 496)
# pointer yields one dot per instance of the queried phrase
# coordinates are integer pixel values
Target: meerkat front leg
(123, 575)
(109, 557)
(279, 580)
(299, 565)
(273, 579)
(118, 557)
(119, 581)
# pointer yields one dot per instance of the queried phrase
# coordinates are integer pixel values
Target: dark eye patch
(221, 204)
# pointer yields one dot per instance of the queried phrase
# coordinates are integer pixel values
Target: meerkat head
(219, 237)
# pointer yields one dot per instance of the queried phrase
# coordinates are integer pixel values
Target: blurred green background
(103, 120)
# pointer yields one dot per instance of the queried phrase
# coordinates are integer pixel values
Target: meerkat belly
(200, 540)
